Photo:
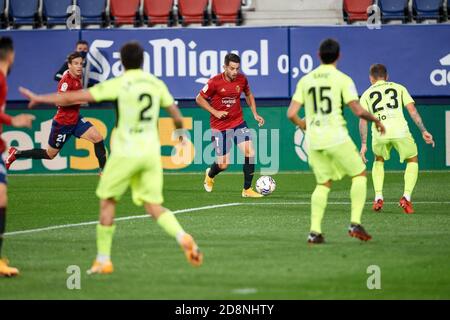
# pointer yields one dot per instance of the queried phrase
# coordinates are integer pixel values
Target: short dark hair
(378, 71)
(82, 42)
(232, 57)
(132, 55)
(329, 51)
(73, 56)
(6, 46)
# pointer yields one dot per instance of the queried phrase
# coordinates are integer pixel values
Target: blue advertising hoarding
(273, 58)
(39, 55)
(416, 56)
(186, 58)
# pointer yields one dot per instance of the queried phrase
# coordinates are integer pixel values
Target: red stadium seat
(124, 12)
(227, 11)
(192, 11)
(158, 12)
(356, 10)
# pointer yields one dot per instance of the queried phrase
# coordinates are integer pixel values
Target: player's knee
(380, 159)
(327, 184)
(155, 210)
(223, 165)
(3, 196)
(52, 154)
(413, 159)
(362, 174)
(107, 208)
(96, 137)
(250, 153)
(3, 200)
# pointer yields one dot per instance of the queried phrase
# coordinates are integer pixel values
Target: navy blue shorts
(3, 172)
(60, 133)
(223, 140)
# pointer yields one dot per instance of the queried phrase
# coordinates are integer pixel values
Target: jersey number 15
(325, 100)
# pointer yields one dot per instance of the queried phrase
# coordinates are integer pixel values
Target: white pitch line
(341, 202)
(118, 219)
(64, 226)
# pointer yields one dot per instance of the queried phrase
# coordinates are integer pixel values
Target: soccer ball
(265, 185)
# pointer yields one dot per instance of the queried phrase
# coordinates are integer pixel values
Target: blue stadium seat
(428, 9)
(394, 10)
(55, 11)
(3, 23)
(24, 12)
(92, 12)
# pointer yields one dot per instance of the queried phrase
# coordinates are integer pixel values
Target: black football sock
(33, 153)
(214, 170)
(2, 227)
(249, 170)
(100, 153)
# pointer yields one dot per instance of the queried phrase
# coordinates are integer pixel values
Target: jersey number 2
(144, 113)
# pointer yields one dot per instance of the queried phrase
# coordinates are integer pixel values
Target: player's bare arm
(412, 110)
(177, 118)
(292, 114)
(363, 135)
(359, 111)
(203, 103)
(62, 99)
(22, 120)
(19, 121)
(250, 99)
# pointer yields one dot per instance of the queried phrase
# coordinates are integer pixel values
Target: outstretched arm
(61, 98)
(419, 123)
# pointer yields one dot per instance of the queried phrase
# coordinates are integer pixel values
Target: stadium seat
(24, 12)
(356, 10)
(158, 12)
(394, 10)
(55, 11)
(226, 11)
(125, 12)
(92, 12)
(193, 11)
(428, 9)
(3, 22)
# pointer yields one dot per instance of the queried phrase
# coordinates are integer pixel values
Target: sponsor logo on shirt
(228, 101)
(64, 87)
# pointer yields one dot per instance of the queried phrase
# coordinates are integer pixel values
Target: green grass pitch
(254, 249)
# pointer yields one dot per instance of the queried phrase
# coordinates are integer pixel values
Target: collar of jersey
(131, 71)
(72, 76)
(379, 82)
(328, 66)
